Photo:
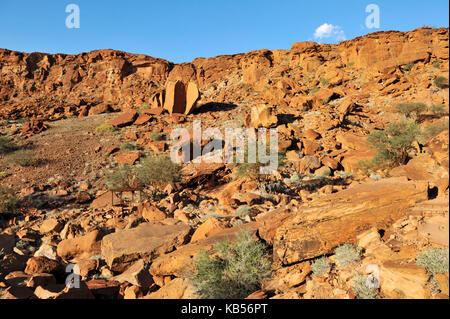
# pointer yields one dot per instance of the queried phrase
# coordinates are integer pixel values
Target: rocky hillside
(328, 224)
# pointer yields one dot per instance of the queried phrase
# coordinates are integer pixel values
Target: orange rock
(205, 230)
(124, 119)
(192, 95)
(128, 158)
(151, 213)
(175, 97)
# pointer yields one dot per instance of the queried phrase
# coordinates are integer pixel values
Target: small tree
(5, 145)
(124, 176)
(9, 203)
(411, 109)
(155, 171)
(441, 82)
(392, 144)
(235, 270)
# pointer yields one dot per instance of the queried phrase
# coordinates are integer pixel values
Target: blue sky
(181, 30)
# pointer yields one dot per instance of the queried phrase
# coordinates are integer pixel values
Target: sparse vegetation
(434, 129)
(324, 81)
(155, 136)
(234, 271)
(123, 176)
(243, 211)
(437, 64)
(23, 158)
(347, 254)
(9, 203)
(3, 175)
(441, 82)
(407, 67)
(438, 109)
(105, 127)
(392, 145)
(320, 266)
(411, 110)
(128, 146)
(156, 171)
(362, 290)
(6, 145)
(434, 260)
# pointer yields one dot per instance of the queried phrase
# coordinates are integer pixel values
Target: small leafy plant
(411, 110)
(320, 266)
(347, 254)
(6, 145)
(23, 158)
(234, 271)
(392, 145)
(9, 203)
(362, 290)
(105, 127)
(434, 260)
(441, 82)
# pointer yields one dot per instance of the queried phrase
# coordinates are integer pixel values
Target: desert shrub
(242, 211)
(407, 67)
(156, 171)
(234, 271)
(441, 82)
(324, 81)
(433, 130)
(411, 109)
(438, 109)
(105, 127)
(347, 254)
(143, 108)
(123, 176)
(392, 145)
(9, 203)
(252, 170)
(437, 64)
(320, 266)
(362, 290)
(434, 260)
(6, 145)
(3, 175)
(23, 158)
(128, 146)
(155, 136)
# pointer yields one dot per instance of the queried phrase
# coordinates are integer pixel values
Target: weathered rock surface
(339, 218)
(148, 241)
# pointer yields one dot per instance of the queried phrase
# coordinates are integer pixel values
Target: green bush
(407, 67)
(6, 145)
(392, 145)
(105, 127)
(236, 270)
(155, 136)
(411, 109)
(128, 146)
(9, 203)
(434, 129)
(122, 177)
(362, 290)
(23, 158)
(347, 254)
(434, 260)
(3, 175)
(243, 211)
(441, 82)
(320, 266)
(156, 171)
(438, 109)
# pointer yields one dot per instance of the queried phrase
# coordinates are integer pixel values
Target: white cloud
(329, 31)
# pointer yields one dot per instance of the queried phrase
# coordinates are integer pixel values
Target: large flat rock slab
(147, 241)
(338, 218)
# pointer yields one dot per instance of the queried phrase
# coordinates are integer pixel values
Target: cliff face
(57, 85)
